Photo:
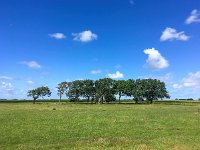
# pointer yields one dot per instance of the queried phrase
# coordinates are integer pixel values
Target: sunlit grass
(80, 126)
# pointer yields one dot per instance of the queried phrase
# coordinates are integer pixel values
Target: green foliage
(138, 90)
(153, 89)
(75, 90)
(62, 88)
(88, 89)
(39, 92)
(120, 88)
(130, 86)
(104, 88)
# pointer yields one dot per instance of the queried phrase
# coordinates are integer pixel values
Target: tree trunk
(34, 99)
(119, 99)
(88, 99)
(100, 100)
(60, 98)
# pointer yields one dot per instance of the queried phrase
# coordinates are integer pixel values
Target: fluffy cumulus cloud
(95, 71)
(171, 34)
(31, 64)
(85, 36)
(155, 60)
(194, 17)
(192, 80)
(5, 78)
(116, 75)
(57, 36)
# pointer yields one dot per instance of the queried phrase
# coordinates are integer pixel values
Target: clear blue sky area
(44, 42)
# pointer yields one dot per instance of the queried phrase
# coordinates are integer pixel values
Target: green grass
(79, 126)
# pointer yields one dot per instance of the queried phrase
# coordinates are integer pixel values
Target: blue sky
(44, 42)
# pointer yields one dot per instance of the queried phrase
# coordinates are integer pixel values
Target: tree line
(106, 90)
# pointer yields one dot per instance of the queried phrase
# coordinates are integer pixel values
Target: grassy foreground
(81, 126)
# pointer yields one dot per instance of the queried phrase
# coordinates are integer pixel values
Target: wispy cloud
(95, 71)
(8, 90)
(171, 34)
(30, 82)
(31, 64)
(85, 36)
(57, 36)
(6, 78)
(194, 17)
(155, 60)
(192, 80)
(116, 75)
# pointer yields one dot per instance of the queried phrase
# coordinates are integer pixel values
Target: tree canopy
(107, 90)
(39, 92)
(62, 88)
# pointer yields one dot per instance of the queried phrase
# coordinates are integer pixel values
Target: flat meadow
(50, 125)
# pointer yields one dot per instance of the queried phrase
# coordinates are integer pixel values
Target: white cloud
(177, 86)
(192, 80)
(31, 64)
(29, 82)
(155, 60)
(188, 87)
(172, 34)
(8, 91)
(85, 36)
(57, 36)
(116, 75)
(6, 86)
(6, 78)
(95, 71)
(194, 17)
(131, 2)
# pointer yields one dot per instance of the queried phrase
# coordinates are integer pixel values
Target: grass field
(49, 125)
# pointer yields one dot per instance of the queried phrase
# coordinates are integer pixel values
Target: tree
(129, 89)
(154, 89)
(61, 89)
(75, 90)
(120, 88)
(39, 92)
(88, 89)
(104, 90)
(138, 90)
